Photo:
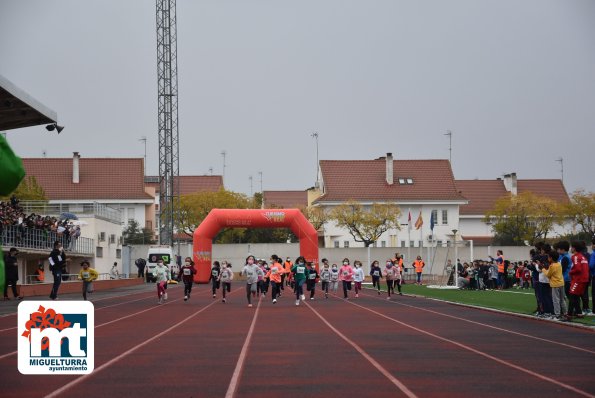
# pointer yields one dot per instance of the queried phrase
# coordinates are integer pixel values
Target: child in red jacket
(579, 278)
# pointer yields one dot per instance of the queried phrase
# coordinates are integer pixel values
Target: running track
(406, 347)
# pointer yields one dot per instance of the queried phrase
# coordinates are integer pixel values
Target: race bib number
(86, 275)
(274, 271)
(345, 273)
(376, 273)
(215, 273)
(301, 270)
(249, 274)
(187, 271)
(312, 276)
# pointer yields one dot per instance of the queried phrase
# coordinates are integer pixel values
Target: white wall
(92, 230)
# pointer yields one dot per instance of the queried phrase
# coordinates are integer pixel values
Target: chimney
(75, 167)
(510, 183)
(389, 169)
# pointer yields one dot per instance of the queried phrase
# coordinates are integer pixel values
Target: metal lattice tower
(167, 82)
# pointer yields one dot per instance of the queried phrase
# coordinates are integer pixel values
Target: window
(444, 217)
(118, 253)
(337, 243)
(435, 216)
(420, 243)
(130, 214)
(346, 243)
(405, 180)
(102, 236)
(99, 251)
(402, 243)
(112, 238)
(410, 181)
(375, 244)
(439, 243)
(401, 181)
(411, 243)
(383, 243)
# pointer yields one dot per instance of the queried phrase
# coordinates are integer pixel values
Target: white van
(157, 252)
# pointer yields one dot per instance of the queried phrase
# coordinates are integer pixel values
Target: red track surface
(334, 348)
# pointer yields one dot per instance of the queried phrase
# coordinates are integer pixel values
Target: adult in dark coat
(11, 273)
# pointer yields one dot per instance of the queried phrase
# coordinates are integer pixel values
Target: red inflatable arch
(250, 218)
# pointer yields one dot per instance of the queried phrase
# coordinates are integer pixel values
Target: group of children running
(260, 276)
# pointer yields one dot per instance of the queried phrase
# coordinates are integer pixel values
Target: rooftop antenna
(144, 139)
(260, 175)
(449, 134)
(211, 170)
(561, 160)
(44, 153)
(223, 153)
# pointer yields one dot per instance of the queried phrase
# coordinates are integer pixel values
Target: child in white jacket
(226, 276)
(358, 277)
(162, 275)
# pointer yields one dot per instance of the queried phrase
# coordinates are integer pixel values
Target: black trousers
(56, 286)
(275, 289)
(325, 286)
(311, 287)
(215, 285)
(346, 287)
(13, 285)
(188, 287)
(226, 287)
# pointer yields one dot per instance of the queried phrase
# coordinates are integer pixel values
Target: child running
(214, 278)
(226, 276)
(187, 273)
(346, 276)
(376, 274)
(334, 279)
(325, 277)
(88, 275)
(312, 279)
(300, 274)
(252, 272)
(274, 275)
(358, 277)
(162, 275)
(391, 273)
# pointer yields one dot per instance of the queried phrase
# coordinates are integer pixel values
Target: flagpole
(421, 229)
(409, 237)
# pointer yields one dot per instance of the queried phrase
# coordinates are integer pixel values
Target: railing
(79, 209)
(41, 239)
(32, 279)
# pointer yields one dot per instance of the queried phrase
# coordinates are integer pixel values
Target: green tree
(133, 234)
(523, 218)
(317, 216)
(581, 211)
(29, 189)
(366, 223)
(194, 208)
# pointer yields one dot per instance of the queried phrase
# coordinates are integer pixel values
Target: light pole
(144, 139)
(315, 136)
(561, 161)
(223, 153)
(456, 275)
(449, 134)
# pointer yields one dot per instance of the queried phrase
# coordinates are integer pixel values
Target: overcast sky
(513, 80)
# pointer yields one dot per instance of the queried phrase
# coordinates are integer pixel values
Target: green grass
(518, 301)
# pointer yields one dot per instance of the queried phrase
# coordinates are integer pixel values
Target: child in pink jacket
(346, 276)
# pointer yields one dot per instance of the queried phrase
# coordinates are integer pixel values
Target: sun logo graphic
(274, 216)
(56, 337)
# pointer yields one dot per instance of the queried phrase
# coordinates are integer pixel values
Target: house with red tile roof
(483, 194)
(420, 187)
(285, 199)
(106, 192)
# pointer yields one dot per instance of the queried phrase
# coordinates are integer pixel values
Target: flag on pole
(409, 221)
(419, 222)
(432, 222)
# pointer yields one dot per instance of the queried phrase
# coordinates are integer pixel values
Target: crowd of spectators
(34, 230)
(559, 275)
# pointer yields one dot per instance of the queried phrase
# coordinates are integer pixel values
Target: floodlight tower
(167, 85)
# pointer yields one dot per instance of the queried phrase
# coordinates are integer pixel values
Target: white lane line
(96, 309)
(478, 352)
(493, 327)
(374, 363)
(79, 380)
(233, 384)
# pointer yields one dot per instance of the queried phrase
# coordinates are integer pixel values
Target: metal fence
(32, 279)
(79, 209)
(41, 239)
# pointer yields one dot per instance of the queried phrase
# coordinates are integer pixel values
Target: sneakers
(274, 301)
(587, 312)
(250, 305)
(303, 297)
(400, 294)
(297, 302)
(224, 301)
(185, 298)
(311, 298)
(379, 292)
(325, 295)
(165, 296)
(356, 295)
(214, 295)
(388, 298)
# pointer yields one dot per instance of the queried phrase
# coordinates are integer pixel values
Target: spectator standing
(113, 273)
(419, 265)
(141, 263)
(592, 271)
(11, 273)
(554, 273)
(57, 266)
(579, 278)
